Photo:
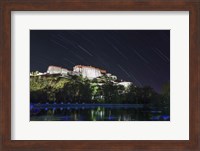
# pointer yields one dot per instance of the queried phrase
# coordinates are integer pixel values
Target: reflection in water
(96, 114)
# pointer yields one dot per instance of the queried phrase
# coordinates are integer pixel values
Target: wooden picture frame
(193, 6)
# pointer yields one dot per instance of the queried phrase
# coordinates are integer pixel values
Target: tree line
(76, 89)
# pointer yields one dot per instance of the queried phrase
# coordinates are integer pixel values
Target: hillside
(76, 89)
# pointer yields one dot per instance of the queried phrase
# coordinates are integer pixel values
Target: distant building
(89, 71)
(57, 70)
(37, 73)
(86, 71)
(111, 76)
(125, 84)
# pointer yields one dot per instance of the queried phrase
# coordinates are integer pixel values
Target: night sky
(139, 56)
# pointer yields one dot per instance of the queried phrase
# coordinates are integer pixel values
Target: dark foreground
(95, 112)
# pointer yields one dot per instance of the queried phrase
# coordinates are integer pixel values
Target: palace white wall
(54, 70)
(88, 72)
(57, 70)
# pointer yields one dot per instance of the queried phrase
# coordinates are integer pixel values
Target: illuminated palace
(86, 71)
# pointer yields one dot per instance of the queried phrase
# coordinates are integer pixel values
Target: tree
(131, 96)
(77, 89)
(148, 94)
(165, 96)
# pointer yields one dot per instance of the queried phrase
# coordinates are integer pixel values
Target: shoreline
(87, 105)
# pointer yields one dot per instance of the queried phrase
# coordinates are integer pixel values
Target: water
(95, 113)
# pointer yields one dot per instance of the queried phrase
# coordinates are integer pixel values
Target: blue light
(155, 118)
(165, 117)
(31, 106)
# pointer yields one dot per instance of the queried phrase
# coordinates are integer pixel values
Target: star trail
(139, 56)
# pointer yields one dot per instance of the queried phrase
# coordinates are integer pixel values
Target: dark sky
(139, 56)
